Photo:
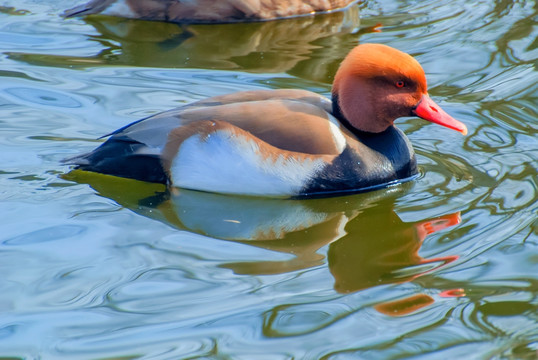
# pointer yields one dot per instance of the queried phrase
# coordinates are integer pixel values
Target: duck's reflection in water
(274, 46)
(307, 47)
(368, 244)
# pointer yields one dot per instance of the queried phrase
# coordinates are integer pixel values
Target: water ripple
(442, 267)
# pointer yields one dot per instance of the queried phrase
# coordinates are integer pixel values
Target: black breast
(373, 161)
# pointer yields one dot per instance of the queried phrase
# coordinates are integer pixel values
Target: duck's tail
(91, 7)
(123, 158)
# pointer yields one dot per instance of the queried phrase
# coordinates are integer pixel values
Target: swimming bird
(285, 142)
(207, 11)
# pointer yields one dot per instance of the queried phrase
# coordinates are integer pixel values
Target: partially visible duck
(284, 143)
(207, 11)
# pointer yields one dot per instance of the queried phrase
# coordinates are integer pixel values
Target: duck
(284, 142)
(208, 11)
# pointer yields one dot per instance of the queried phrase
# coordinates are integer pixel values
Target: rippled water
(95, 267)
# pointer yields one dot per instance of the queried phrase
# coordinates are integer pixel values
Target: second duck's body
(207, 11)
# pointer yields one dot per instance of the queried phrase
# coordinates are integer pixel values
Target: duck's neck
(337, 112)
(390, 143)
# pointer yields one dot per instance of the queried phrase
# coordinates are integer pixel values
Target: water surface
(95, 267)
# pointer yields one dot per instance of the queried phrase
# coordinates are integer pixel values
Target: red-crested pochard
(284, 143)
(207, 11)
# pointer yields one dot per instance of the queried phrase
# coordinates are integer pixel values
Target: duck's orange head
(377, 84)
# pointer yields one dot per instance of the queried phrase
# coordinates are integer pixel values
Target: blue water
(95, 267)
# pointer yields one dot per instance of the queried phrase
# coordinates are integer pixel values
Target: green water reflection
(362, 250)
(309, 47)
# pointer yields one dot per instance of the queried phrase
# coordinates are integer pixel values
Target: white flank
(339, 139)
(149, 150)
(229, 163)
(120, 8)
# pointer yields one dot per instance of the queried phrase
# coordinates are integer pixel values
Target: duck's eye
(400, 84)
